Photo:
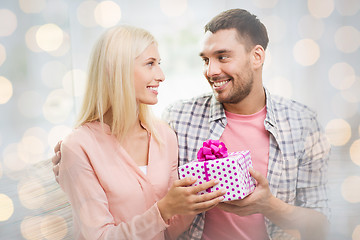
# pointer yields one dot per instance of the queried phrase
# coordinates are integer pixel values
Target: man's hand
(304, 222)
(256, 202)
(56, 160)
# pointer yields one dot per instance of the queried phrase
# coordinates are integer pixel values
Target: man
(289, 151)
(283, 136)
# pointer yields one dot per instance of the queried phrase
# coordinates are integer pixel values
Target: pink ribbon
(211, 150)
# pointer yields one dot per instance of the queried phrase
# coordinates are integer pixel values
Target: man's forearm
(310, 223)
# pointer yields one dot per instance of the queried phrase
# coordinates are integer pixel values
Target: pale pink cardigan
(111, 198)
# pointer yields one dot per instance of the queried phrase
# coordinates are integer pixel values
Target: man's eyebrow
(221, 51)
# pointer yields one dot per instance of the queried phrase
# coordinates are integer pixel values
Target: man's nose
(213, 68)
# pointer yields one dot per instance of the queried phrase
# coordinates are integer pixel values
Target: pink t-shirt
(243, 132)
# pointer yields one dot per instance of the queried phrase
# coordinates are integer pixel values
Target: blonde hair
(110, 85)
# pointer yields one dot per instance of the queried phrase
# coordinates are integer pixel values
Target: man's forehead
(218, 41)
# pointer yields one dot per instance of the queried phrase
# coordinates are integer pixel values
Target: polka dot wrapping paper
(232, 172)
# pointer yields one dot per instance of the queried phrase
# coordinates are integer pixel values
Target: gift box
(231, 169)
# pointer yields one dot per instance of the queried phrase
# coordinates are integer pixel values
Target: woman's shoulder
(83, 134)
(164, 129)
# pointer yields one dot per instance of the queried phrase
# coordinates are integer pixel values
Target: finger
(56, 158)
(184, 182)
(56, 170)
(209, 196)
(225, 207)
(238, 203)
(204, 206)
(204, 186)
(260, 179)
(57, 146)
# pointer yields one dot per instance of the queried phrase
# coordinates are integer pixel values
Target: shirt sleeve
(313, 166)
(178, 223)
(91, 215)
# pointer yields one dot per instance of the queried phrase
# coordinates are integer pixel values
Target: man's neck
(250, 105)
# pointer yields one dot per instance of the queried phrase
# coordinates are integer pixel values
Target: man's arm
(310, 223)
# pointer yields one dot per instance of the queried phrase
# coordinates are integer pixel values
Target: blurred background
(313, 57)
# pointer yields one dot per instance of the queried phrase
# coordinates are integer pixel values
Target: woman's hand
(183, 198)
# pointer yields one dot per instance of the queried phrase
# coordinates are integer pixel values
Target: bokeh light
(38, 132)
(338, 132)
(52, 73)
(74, 82)
(355, 152)
(31, 150)
(347, 39)
(32, 6)
(311, 27)
(306, 52)
(356, 233)
(321, 8)
(276, 28)
(53, 227)
(64, 48)
(342, 75)
(265, 3)
(107, 14)
(29, 103)
(6, 207)
(11, 159)
(31, 193)
(58, 106)
(31, 228)
(85, 13)
(30, 39)
(2, 54)
(58, 133)
(49, 37)
(347, 7)
(6, 90)
(8, 22)
(350, 189)
(173, 8)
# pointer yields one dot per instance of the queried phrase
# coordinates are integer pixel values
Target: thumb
(184, 182)
(260, 179)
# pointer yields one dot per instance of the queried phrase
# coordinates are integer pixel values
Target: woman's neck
(135, 128)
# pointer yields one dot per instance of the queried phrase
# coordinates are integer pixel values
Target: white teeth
(153, 88)
(219, 84)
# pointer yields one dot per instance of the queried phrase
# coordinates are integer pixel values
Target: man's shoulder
(290, 107)
(191, 104)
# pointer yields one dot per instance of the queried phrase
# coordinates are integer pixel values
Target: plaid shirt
(298, 154)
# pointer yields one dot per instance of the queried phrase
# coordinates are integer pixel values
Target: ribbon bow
(211, 150)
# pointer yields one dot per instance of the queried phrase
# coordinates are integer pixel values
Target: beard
(240, 90)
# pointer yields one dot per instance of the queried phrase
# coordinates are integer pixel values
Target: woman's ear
(258, 56)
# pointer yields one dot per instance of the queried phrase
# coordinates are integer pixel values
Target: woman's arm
(92, 217)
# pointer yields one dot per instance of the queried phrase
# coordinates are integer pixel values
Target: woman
(119, 166)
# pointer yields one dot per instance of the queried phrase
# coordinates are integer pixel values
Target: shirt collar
(270, 113)
(217, 109)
